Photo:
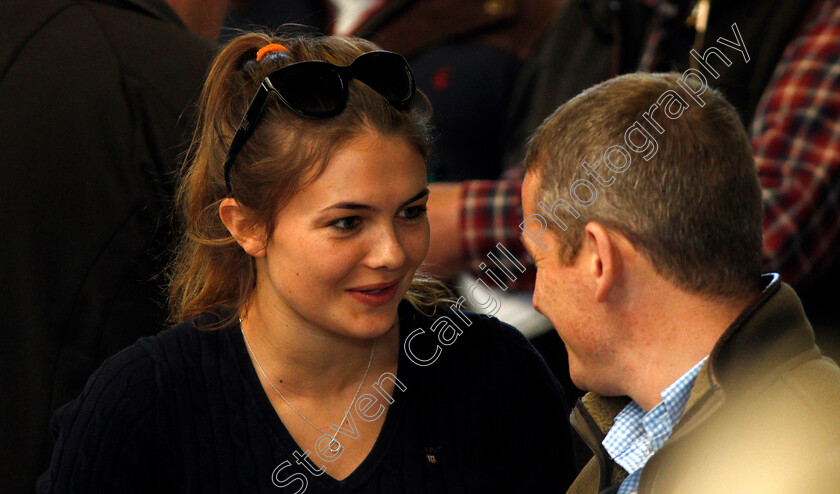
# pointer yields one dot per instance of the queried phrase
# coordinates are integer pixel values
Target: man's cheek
(538, 298)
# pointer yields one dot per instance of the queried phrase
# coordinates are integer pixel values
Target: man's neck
(679, 330)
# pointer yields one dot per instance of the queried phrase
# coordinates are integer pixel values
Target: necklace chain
(344, 418)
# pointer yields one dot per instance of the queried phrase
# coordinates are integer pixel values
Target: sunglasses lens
(311, 88)
(386, 73)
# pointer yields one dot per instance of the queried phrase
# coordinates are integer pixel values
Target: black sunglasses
(319, 89)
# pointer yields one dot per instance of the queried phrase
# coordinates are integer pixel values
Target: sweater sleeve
(108, 439)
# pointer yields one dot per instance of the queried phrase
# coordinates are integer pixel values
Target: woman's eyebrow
(421, 194)
(358, 206)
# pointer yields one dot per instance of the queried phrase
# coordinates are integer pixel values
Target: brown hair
(692, 206)
(210, 272)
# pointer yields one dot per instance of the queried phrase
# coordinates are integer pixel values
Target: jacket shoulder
(814, 388)
(20, 21)
(175, 79)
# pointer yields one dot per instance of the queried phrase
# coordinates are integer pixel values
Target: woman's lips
(375, 295)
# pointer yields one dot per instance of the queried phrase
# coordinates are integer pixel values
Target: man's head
(636, 172)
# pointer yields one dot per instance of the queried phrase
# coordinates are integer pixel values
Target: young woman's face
(345, 248)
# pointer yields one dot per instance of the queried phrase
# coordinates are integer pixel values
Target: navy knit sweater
(184, 411)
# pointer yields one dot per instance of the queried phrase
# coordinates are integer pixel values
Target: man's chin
(578, 376)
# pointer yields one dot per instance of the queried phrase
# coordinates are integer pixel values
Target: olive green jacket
(763, 414)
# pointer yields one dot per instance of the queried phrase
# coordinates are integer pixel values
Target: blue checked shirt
(635, 435)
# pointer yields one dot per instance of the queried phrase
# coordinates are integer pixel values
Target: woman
(311, 356)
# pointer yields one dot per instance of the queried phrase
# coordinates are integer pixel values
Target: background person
(92, 119)
(310, 353)
(703, 374)
(787, 95)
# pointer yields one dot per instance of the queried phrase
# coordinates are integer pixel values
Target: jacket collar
(771, 331)
(770, 335)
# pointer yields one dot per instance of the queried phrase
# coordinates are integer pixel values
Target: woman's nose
(387, 251)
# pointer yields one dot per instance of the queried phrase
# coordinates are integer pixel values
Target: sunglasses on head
(319, 89)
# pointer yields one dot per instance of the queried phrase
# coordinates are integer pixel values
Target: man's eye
(346, 224)
(414, 212)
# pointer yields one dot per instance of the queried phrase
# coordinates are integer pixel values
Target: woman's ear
(250, 238)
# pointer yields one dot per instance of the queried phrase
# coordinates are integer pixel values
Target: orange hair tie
(268, 49)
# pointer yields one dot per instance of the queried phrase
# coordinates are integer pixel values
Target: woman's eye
(413, 212)
(346, 224)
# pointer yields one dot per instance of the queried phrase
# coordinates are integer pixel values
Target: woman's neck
(304, 360)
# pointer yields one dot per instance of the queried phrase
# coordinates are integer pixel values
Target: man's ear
(605, 259)
(250, 238)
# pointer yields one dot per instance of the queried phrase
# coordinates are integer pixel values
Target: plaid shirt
(491, 213)
(795, 137)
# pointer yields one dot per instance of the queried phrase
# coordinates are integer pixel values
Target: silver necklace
(333, 441)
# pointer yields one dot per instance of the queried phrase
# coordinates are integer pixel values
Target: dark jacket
(763, 414)
(467, 56)
(92, 98)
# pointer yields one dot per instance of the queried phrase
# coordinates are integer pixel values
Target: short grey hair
(642, 156)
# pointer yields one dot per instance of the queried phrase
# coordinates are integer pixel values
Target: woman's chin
(368, 325)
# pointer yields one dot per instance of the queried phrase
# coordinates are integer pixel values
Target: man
(643, 215)
(92, 103)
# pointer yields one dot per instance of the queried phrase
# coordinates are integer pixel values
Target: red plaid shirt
(795, 137)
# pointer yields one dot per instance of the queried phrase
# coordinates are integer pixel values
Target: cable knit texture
(184, 411)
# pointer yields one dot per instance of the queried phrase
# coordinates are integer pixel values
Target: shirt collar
(636, 434)
(675, 396)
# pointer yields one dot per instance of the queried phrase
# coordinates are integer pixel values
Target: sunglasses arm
(246, 126)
